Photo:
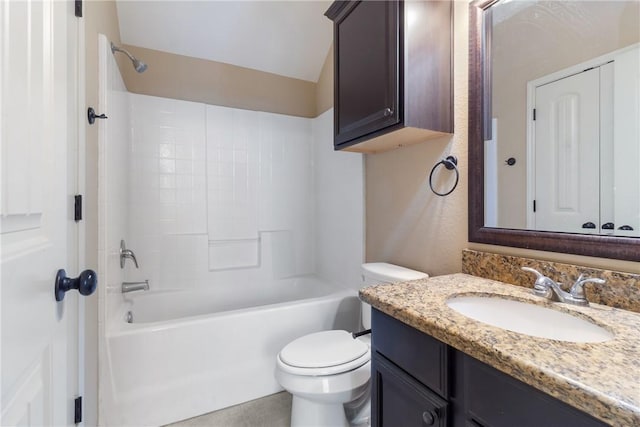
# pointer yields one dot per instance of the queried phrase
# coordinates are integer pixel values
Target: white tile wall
(167, 199)
(219, 194)
(259, 180)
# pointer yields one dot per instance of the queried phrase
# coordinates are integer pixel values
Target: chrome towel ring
(450, 163)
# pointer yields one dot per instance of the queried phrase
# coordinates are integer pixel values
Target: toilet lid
(323, 349)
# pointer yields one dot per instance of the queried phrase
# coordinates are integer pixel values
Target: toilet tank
(374, 273)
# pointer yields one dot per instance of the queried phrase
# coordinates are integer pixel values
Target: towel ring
(450, 163)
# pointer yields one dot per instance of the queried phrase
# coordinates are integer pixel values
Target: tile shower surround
(221, 195)
(620, 290)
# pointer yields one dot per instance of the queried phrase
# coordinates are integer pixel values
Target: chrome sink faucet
(547, 288)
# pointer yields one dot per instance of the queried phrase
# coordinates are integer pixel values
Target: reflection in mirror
(565, 103)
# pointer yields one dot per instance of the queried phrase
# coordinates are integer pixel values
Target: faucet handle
(540, 283)
(577, 290)
(534, 271)
(126, 253)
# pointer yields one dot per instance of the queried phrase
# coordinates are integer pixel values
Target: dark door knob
(85, 283)
(429, 417)
(625, 228)
(608, 226)
(588, 225)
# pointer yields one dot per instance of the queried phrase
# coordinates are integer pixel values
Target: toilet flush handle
(359, 334)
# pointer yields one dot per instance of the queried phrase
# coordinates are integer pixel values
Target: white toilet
(328, 372)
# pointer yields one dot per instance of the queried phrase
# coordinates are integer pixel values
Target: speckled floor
(270, 411)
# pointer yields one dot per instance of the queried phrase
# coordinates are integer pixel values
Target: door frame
(532, 85)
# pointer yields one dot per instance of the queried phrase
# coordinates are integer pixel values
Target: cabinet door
(494, 399)
(399, 400)
(366, 83)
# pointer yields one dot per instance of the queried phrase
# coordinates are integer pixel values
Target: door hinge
(77, 410)
(78, 8)
(77, 208)
(534, 114)
(534, 205)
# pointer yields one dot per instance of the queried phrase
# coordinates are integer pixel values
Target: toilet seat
(323, 353)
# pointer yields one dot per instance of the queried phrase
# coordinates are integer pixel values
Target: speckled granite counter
(620, 289)
(602, 379)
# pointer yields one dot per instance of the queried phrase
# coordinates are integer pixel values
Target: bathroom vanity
(434, 366)
(418, 380)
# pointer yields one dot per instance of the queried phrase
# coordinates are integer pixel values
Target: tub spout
(135, 286)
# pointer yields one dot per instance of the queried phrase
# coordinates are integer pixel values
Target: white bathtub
(192, 352)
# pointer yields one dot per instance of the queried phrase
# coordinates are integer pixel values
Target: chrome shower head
(137, 64)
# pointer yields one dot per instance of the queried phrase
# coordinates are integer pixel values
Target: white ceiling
(290, 38)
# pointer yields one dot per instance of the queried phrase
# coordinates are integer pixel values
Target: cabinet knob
(626, 228)
(588, 225)
(388, 112)
(429, 417)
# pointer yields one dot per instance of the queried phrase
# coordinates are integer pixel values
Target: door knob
(588, 225)
(85, 283)
(429, 418)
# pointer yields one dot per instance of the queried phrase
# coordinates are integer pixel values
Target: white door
(567, 177)
(39, 128)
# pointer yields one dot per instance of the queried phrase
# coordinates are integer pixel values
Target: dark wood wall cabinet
(392, 73)
(417, 380)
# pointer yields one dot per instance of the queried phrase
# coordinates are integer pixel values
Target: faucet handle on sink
(577, 290)
(541, 285)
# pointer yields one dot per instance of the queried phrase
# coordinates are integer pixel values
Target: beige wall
(525, 49)
(409, 225)
(192, 79)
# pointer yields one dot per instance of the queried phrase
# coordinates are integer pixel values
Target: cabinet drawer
(399, 400)
(496, 399)
(417, 353)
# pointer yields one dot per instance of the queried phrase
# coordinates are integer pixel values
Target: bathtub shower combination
(247, 227)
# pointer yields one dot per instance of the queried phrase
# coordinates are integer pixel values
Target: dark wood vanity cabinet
(392, 73)
(417, 380)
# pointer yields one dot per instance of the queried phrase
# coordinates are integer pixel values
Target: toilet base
(307, 413)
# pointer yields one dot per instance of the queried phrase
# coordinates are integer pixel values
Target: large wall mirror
(554, 126)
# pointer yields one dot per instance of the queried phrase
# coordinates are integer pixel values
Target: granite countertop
(602, 379)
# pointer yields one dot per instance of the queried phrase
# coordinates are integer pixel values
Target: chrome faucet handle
(541, 285)
(577, 290)
(135, 286)
(539, 275)
(126, 253)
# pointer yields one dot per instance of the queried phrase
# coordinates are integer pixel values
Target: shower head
(137, 64)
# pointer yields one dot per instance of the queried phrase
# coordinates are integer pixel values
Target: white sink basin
(529, 319)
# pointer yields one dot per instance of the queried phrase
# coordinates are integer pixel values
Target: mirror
(576, 66)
